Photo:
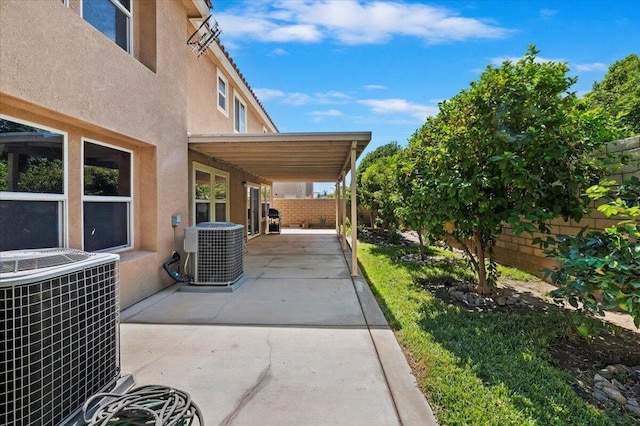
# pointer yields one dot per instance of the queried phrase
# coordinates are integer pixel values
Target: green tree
(602, 262)
(618, 94)
(42, 175)
(511, 149)
(415, 192)
(377, 188)
(366, 190)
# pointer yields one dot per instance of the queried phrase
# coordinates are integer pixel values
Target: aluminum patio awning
(285, 157)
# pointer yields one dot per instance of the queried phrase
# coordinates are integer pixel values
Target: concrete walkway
(299, 343)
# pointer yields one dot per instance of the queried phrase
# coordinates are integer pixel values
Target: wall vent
(217, 249)
(59, 333)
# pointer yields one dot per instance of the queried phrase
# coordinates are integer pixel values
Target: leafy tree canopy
(618, 94)
(512, 148)
(387, 150)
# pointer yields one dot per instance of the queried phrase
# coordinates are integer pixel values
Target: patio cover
(295, 157)
(285, 157)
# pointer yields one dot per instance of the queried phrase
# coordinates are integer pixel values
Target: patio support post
(354, 213)
(338, 207)
(343, 210)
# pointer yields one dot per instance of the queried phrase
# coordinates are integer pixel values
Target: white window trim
(99, 198)
(124, 10)
(239, 98)
(62, 199)
(222, 77)
(213, 172)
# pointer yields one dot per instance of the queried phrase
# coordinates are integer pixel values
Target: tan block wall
(295, 211)
(517, 250)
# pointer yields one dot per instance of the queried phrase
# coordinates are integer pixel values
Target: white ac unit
(217, 250)
(59, 336)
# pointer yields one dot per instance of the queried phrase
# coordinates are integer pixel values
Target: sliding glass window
(32, 185)
(108, 198)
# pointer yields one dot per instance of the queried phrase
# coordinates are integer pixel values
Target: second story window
(112, 18)
(239, 116)
(222, 94)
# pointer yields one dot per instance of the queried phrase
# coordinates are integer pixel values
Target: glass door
(253, 211)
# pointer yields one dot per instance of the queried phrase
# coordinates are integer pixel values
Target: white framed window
(107, 200)
(210, 194)
(239, 115)
(222, 89)
(33, 185)
(113, 18)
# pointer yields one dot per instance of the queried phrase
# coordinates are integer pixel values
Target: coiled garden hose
(150, 405)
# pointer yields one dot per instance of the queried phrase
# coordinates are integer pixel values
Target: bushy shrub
(601, 269)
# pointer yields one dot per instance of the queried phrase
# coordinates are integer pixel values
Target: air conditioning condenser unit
(59, 333)
(217, 248)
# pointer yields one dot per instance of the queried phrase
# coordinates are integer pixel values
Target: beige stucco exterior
(58, 71)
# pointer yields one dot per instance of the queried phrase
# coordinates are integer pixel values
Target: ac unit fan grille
(219, 257)
(61, 344)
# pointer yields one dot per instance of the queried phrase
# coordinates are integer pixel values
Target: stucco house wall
(59, 72)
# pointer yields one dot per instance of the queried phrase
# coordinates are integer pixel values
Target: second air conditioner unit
(59, 336)
(217, 249)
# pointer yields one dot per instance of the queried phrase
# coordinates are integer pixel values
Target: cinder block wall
(296, 211)
(517, 250)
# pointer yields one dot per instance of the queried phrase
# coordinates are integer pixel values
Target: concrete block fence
(313, 212)
(517, 250)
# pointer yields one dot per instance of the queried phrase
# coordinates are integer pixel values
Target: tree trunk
(423, 255)
(483, 287)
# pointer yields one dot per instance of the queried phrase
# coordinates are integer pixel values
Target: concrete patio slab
(265, 375)
(320, 302)
(300, 343)
(296, 266)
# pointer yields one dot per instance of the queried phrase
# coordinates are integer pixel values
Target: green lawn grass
(476, 368)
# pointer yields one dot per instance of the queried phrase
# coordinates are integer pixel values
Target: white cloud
(331, 97)
(278, 52)
(268, 94)
(297, 98)
(400, 106)
(319, 115)
(547, 13)
(375, 87)
(513, 59)
(595, 66)
(350, 22)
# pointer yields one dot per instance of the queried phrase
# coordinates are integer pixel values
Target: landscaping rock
(510, 301)
(501, 301)
(600, 396)
(615, 395)
(621, 368)
(601, 381)
(606, 373)
(633, 401)
(633, 409)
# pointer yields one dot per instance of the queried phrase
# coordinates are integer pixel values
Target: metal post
(343, 209)
(354, 213)
(338, 208)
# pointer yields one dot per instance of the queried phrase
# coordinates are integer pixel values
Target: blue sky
(383, 66)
